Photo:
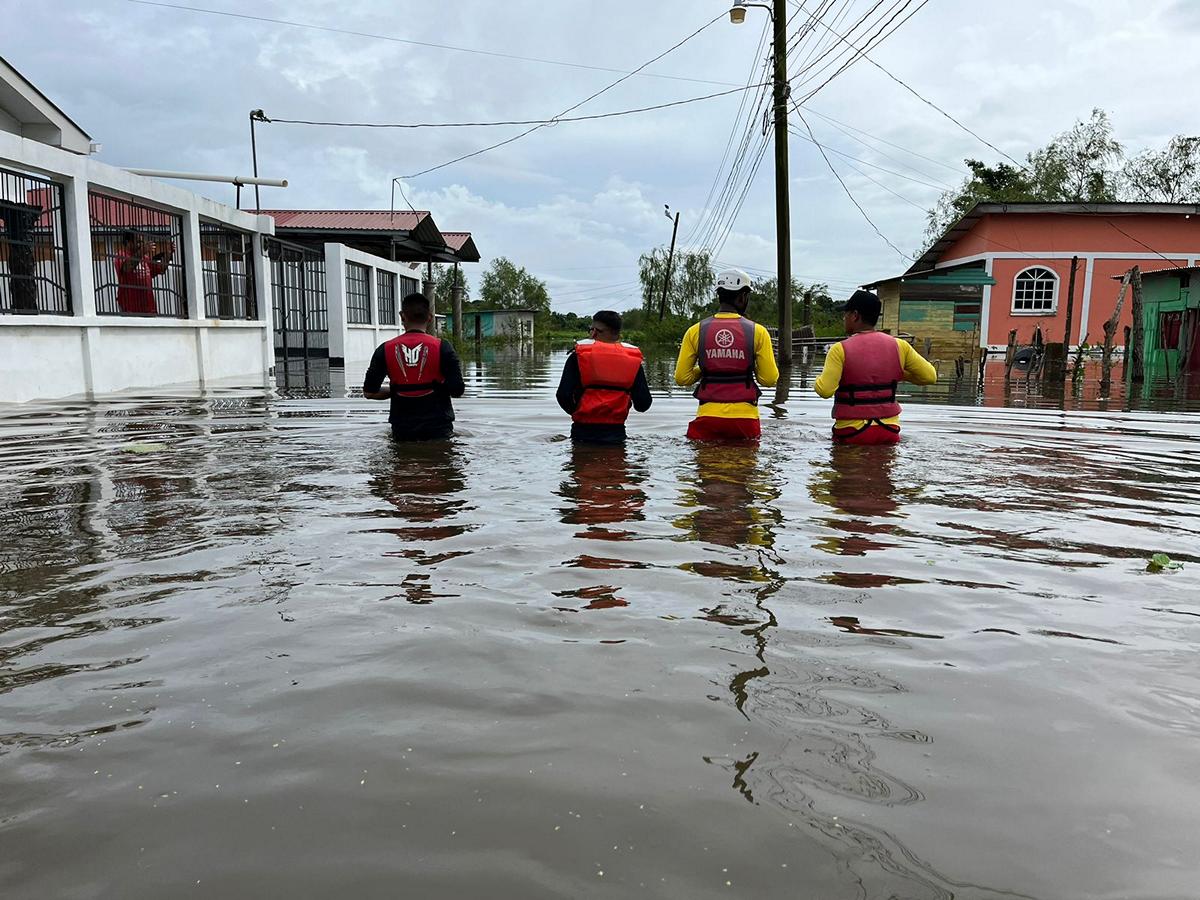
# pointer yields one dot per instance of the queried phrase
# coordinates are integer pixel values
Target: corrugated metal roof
(1165, 270)
(347, 219)
(462, 245)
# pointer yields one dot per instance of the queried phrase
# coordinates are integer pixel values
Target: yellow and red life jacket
(869, 376)
(726, 360)
(607, 372)
(414, 363)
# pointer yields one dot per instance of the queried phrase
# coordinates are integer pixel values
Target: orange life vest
(607, 372)
(869, 377)
(414, 363)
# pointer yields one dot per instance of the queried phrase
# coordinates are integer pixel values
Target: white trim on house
(351, 344)
(28, 113)
(1089, 271)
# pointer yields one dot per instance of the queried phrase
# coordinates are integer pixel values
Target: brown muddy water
(250, 648)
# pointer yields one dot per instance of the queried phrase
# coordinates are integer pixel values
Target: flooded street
(250, 647)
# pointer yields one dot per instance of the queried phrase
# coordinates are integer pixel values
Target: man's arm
(827, 382)
(452, 370)
(570, 386)
(917, 369)
(686, 370)
(640, 392)
(765, 369)
(375, 375)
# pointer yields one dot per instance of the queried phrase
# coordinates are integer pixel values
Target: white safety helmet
(733, 280)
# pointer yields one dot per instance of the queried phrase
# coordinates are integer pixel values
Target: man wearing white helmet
(726, 354)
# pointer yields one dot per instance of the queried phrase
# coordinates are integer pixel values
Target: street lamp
(783, 228)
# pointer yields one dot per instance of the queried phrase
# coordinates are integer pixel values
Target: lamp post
(662, 306)
(783, 220)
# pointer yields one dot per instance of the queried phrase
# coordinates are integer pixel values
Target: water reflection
(422, 485)
(603, 489)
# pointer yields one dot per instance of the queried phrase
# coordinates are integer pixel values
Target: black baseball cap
(863, 302)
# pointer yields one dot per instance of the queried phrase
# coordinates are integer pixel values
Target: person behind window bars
(139, 262)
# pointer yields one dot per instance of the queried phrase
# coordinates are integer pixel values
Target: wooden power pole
(783, 216)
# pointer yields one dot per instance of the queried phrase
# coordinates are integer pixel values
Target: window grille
(358, 294)
(137, 259)
(34, 275)
(385, 287)
(1035, 291)
(227, 261)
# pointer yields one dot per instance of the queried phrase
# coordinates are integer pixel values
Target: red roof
(347, 219)
(456, 239)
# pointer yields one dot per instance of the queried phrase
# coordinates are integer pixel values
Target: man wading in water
(601, 379)
(726, 353)
(423, 374)
(863, 370)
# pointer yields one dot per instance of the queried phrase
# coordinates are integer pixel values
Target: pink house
(1007, 266)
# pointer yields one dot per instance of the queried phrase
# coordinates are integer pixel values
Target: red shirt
(135, 284)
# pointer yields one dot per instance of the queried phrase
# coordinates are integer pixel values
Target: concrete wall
(351, 345)
(48, 356)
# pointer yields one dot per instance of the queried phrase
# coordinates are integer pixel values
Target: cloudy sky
(577, 203)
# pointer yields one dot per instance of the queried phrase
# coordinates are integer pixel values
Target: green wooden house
(1171, 322)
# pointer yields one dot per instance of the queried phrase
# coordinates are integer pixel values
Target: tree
(1081, 165)
(444, 283)
(507, 286)
(809, 302)
(691, 287)
(1170, 175)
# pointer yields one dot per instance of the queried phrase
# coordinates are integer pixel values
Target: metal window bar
(385, 287)
(300, 312)
(227, 265)
(137, 259)
(34, 274)
(409, 286)
(358, 294)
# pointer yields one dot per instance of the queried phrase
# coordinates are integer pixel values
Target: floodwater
(250, 648)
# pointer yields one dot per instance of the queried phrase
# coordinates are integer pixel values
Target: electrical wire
(397, 40)
(586, 99)
(838, 176)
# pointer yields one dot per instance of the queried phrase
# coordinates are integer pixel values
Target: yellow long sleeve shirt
(916, 370)
(687, 370)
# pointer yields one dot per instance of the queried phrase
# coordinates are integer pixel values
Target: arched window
(1035, 291)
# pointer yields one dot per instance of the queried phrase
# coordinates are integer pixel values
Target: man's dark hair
(869, 318)
(415, 306)
(733, 298)
(128, 236)
(609, 319)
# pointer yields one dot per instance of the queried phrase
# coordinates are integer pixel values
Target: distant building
(1006, 266)
(1171, 323)
(484, 323)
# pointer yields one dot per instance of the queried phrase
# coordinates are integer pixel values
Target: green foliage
(443, 280)
(692, 281)
(1170, 175)
(1160, 562)
(811, 305)
(1081, 165)
(507, 286)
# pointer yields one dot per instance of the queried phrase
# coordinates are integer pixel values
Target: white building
(191, 309)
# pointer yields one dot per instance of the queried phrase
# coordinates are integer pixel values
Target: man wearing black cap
(862, 372)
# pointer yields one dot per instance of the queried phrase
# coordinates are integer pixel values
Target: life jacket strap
(847, 393)
(608, 387)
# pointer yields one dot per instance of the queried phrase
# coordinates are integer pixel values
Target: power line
(875, 137)
(398, 40)
(541, 123)
(847, 156)
(586, 99)
(847, 190)
(922, 98)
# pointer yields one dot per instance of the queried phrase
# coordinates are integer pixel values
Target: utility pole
(256, 115)
(662, 306)
(783, 214)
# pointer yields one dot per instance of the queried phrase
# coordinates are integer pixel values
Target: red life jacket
(607, 372)
(869, 377)
(726, 360)
(414, 363)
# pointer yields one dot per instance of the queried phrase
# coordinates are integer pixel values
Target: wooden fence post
(1110, 331)
(1134, 357)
